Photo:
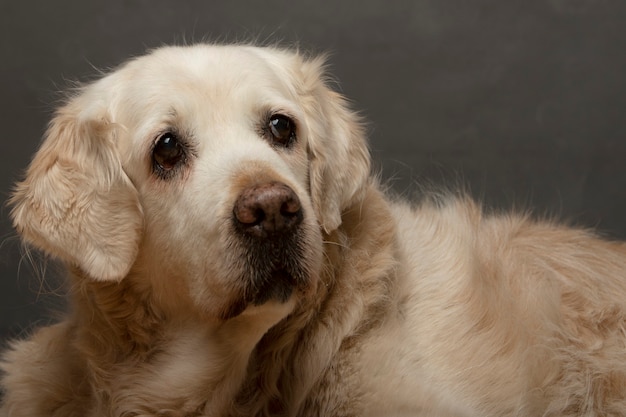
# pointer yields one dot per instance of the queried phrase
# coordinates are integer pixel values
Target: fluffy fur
(372, 307)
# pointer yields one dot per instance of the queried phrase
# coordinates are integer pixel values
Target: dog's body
(230, 255)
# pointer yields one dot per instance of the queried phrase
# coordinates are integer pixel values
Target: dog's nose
(268, 209)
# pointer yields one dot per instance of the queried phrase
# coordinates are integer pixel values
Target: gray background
(522, 101)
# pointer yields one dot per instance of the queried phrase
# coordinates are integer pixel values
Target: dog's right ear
(76, 202)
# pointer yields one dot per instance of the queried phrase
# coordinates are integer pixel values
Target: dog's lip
(279, 286)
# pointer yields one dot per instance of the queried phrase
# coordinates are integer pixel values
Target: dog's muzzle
(268, 218)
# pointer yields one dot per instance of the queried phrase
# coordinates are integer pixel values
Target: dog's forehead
(220, 72)
(204, 84)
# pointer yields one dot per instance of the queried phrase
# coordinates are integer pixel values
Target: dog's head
(212, 170)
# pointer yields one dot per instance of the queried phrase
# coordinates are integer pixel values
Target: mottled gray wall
(521, 100)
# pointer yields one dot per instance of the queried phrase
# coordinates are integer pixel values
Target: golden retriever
(230, 254)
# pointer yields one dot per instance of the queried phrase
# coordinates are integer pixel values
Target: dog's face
(210, 171)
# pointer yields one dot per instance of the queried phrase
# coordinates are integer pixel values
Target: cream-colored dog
(229, 254)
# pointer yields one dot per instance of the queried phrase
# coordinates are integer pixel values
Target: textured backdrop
(521, 101)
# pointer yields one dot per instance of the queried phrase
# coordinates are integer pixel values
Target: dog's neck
(128, 319)
(123, 325)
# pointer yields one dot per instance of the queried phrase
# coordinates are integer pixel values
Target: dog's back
(503, 315)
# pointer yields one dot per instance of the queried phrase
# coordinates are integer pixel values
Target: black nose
(268, 209)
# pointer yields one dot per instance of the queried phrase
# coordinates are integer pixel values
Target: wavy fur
(398, 309)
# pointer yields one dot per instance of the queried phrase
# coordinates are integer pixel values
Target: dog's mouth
(279, 286)
(271, 270)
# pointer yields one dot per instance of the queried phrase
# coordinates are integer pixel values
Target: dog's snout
(266, 209)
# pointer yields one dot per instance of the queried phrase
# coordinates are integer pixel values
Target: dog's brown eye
(167, 152)
(282, 130)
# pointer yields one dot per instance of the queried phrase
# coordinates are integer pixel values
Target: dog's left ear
(76, 203)
(338, 152)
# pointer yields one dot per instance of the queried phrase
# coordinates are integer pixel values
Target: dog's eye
(168, 152)
(282, 129)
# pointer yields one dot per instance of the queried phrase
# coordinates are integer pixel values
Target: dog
(229, 253)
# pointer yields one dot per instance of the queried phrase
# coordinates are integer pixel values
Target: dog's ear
(338, 152)
(76, 202)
